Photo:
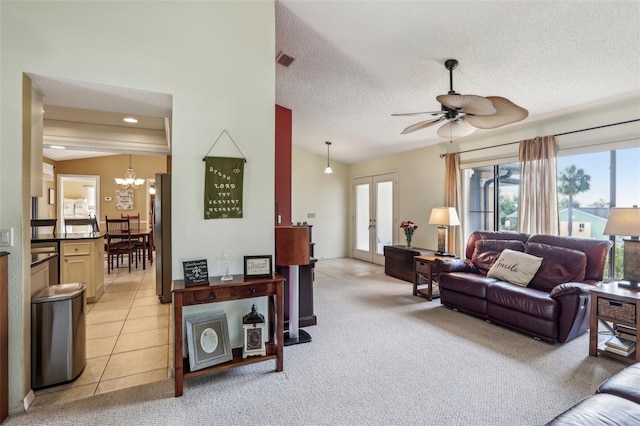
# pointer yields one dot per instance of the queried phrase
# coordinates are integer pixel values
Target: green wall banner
(223, 187)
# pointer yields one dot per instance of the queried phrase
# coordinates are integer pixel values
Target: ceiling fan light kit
(463, 114)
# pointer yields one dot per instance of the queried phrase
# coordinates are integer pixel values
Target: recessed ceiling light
(130, 120)
(57, 147)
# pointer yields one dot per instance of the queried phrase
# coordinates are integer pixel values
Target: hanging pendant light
(328, 170)
(129, 181)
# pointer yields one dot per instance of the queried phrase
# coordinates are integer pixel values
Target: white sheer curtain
(538, 198)
(453, 198)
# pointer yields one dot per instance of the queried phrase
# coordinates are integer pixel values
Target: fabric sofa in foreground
(536, 284)
(616, 402)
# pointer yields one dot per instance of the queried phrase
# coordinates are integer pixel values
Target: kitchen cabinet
(82, 261)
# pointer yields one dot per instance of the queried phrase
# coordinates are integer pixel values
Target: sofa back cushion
(491, 235)
(559, 265)
(595, 250)
(487, 251)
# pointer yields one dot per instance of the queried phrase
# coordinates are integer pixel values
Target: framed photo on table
(258, 266)
(208, 340)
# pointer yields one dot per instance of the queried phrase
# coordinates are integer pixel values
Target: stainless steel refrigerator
(162, 236)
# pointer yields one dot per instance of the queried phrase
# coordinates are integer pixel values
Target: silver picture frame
(207, 340)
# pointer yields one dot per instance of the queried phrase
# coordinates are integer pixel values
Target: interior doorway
(375, 209)
(78, 197)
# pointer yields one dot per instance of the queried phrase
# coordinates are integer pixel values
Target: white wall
(215, 58)
(324, 195)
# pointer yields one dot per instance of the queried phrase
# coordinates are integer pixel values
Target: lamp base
(629, 284)
(303, 337)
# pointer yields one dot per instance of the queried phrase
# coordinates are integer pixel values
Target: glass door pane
(362, 217)
(384, 215)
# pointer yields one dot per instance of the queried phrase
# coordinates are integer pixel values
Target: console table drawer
(206, 296)
(617, 310)
(254, 290)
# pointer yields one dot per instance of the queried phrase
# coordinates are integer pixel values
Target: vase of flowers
(409, 228)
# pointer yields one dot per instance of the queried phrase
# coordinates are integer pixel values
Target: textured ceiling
(356, 62)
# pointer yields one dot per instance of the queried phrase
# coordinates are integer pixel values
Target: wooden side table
(424, 271)
(612, 305)
(218, 291)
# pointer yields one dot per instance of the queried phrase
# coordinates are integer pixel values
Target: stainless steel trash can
(58, 334)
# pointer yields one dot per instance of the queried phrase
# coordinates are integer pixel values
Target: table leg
(178, 363)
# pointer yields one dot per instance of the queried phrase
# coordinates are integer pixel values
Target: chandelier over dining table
(129, 181)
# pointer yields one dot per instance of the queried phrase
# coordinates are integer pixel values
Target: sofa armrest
(568, 289)
(574, 309)
(455, 265)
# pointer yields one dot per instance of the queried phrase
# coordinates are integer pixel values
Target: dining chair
(91, 222)
(41, 223)
(140, 244)
(119, 242)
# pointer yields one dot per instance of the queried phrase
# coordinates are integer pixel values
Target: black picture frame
(208, 340)
(258, 266)
(196, 272)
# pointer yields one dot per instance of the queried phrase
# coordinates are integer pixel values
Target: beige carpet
(379, 356)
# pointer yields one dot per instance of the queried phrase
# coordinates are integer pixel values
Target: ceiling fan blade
(421, 125)
(471, 104)
(419, 113)
(506, 112)
(456, 129)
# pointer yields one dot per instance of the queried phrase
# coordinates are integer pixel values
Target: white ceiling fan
(464, 114)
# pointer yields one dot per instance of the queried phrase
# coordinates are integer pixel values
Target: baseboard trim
(28, 400)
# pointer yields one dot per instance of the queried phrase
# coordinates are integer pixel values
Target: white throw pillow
(515, 267)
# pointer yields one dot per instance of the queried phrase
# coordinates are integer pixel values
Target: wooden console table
(218, 291)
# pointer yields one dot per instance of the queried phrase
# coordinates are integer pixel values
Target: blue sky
(597, 165)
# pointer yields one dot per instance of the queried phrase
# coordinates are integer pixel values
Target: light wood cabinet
(82, 261)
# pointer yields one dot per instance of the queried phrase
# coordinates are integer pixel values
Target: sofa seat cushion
(487, 252)
(466, 283)
(531, 301)
(600, 409)
(559, 265)
(625, 384)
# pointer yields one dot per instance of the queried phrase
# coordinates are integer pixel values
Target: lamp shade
(444, 216)
(623, 221)
(292, 245)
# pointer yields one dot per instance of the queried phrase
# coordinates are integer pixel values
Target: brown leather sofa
(616, 402)
(553, 307)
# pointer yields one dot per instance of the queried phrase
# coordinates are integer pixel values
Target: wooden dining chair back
(36, 224)
(119, 242)
(140, 245)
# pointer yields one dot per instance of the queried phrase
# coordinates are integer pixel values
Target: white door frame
(372, 254)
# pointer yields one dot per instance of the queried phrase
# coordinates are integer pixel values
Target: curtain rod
(557, 134)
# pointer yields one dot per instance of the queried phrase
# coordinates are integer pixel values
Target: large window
(588, 186)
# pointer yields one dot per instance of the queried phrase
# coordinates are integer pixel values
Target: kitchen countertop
(68, 236)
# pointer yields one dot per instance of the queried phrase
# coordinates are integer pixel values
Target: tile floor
(129, 339)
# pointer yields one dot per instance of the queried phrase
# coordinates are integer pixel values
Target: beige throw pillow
(515, 267)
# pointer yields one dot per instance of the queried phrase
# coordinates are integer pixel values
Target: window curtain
(538, 196)
(453, 198)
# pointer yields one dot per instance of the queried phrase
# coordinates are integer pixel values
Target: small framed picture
(258, 266)
(195, 272)
(207, 340)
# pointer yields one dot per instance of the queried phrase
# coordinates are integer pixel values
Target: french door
(375, 215)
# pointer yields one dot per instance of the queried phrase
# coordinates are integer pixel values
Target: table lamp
(444, 217)
(625, 221)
